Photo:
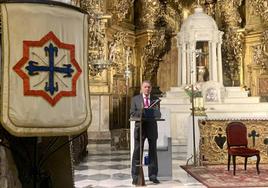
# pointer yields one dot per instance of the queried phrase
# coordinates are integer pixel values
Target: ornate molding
(116, 51)
(120, 8)
(230, 14)
(119, 53)
(161, 15)
(97, 36)
(258, 56)
(260, 53)
(173, 16)
(92, 5)
(149, 13)
(213, 145)
(233, 50)
(210, 7)
(153, 52)
(233, 41)
(260, 7)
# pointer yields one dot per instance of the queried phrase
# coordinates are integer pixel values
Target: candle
(199, 102)
(127, 54)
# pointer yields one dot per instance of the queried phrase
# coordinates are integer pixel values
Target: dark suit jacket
(149, 127)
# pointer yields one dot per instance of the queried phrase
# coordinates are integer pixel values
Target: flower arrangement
(193, 90)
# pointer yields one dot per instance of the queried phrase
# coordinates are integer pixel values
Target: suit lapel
(140, 101)
(152, 100)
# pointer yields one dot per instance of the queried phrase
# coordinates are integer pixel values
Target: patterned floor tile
(81, 167)
(79, 177)
(98, 167)
(104, 168)
(119, 167)
(120, 176)
(99, 177)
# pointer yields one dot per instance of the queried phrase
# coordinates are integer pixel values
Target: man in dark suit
(149, 131)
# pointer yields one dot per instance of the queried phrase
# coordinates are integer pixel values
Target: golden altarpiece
(133, 40)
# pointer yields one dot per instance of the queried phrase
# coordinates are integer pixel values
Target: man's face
(146, 88)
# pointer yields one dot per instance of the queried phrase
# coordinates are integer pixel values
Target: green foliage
(193, 91)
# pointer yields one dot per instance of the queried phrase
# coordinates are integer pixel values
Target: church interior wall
(137, 26)
(168, 70)
(142, 34)
(148, 29)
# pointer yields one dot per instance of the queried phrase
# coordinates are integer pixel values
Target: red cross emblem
(48, 69)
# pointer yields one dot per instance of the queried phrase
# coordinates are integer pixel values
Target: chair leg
(229, 159)
(246, 161)
(257, 163)
(234, 164)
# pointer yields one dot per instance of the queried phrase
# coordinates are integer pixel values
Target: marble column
(193, 63)
(214, 63)
(99, 128)
(219, 63)
(183, 65)
(188, 62)
(210, 61)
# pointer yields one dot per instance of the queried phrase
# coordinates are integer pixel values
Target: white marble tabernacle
(220, 102)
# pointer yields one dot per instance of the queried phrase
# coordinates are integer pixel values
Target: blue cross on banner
(33, 69)
(51, 69)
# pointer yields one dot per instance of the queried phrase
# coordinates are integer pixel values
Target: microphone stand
(193, 116)
(141, 181)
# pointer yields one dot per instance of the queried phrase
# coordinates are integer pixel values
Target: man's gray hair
(147, 82)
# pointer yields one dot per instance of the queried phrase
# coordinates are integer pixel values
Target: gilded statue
(116, 51)
(260, 53)
(112, 51)
(260, 56)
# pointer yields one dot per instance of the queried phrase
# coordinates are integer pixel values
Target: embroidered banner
(45, 72)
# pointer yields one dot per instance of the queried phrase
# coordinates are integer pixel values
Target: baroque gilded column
(120, 8)
(121, 53)
(233, 41)
(153, 53)
(154, 36)
(99, 75)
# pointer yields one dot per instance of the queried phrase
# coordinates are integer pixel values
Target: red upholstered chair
(237, 144)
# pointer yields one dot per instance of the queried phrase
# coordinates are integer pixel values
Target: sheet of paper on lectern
(45, 71)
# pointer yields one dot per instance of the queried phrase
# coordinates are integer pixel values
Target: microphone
(154, 103)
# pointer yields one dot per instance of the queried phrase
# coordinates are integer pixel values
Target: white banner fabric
(45, 89)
